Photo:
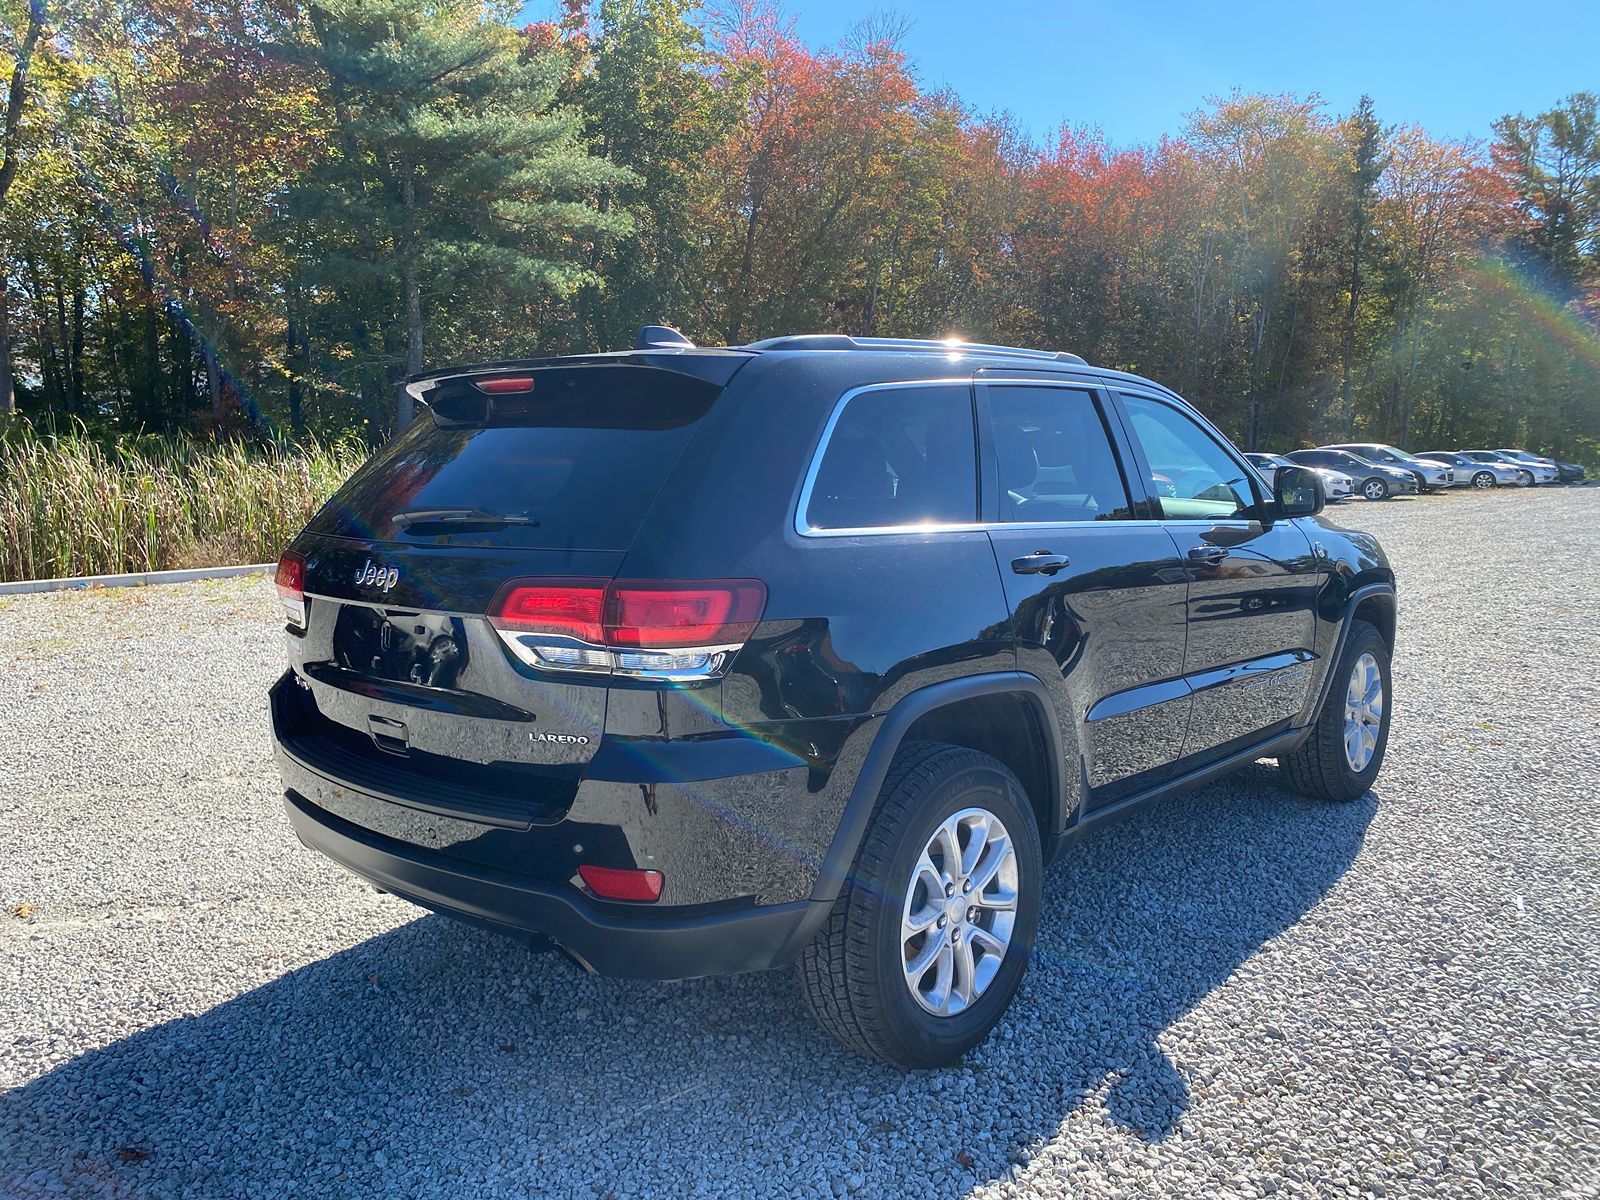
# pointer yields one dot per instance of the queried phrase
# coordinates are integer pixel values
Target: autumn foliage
(258, 215)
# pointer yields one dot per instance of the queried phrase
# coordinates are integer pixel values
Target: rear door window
(897, 457)
(573, 464)
(1053, 456)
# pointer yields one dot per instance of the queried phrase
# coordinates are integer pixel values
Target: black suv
(690, 661)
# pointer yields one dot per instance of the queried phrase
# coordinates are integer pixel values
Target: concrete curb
(140, 579)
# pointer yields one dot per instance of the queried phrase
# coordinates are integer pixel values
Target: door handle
(1207, 555)
(1040, 562)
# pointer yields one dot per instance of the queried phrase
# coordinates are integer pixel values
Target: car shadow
(438, 1058)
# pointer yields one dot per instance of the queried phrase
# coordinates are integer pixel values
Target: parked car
(1375, 481)
(1544, 470)
(1571, 472)
(1472, 473)
(693, 661)
(1339, 486)
(1431, 476)
(1525, 472)
(1335, 484)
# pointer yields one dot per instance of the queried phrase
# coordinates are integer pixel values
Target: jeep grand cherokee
(810, 651)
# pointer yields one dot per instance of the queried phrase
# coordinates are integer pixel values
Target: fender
(1346, 616)
(886, 742)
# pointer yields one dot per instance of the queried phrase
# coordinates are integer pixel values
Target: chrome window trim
(1145, 391)
(985, 527)
(805, 529)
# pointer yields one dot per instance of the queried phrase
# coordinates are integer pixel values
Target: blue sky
(1137, 69)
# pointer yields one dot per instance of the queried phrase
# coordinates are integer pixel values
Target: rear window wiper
(457, 516)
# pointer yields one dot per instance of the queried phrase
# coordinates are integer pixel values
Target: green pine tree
(650, 105)
(455, 183)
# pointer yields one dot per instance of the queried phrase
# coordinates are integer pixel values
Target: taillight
(291, 583)
(572, 607)
(673, 614)
(674, 629)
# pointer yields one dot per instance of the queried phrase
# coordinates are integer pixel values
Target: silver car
(1431, 476)
(1544, 469)
(1474, 474)
(1525, 475)
(1336, 485)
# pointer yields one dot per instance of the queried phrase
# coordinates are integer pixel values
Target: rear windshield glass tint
(575, 463)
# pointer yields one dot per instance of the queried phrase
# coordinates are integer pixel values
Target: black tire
(1483, 479)
(852, 975)
(1320, 768)
(1375, 488)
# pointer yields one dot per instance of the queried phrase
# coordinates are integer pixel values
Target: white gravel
(1238, 993)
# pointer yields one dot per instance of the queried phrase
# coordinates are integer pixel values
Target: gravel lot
(1238, 993)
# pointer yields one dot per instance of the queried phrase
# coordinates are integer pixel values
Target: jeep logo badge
(373, 575)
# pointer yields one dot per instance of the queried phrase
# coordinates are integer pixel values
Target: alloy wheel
(1483, 480)
(1374, 489)
(959, 913)
(1363, 713)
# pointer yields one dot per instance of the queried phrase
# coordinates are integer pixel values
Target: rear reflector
(291, 583)
(620, 883)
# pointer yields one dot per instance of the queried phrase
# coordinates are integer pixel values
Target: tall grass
(71, 504)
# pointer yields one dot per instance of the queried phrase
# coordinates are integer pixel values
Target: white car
(1475, 474)
(1544, 469)
(1336, 485)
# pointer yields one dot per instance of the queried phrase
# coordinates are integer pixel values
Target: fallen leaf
(25, 910)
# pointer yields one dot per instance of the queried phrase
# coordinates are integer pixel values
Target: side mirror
(1298, 492)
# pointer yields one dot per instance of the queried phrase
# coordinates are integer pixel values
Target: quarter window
(1054, 459)
(1192, 476)
(898, 457)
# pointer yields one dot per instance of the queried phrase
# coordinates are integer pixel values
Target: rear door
(404, 687)
(1252, 582)
(1096, 590)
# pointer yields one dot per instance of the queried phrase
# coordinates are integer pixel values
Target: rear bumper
(640, 944)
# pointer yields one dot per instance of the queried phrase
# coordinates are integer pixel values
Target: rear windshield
(574, 464)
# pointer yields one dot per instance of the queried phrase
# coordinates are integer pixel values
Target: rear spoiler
(713, 366)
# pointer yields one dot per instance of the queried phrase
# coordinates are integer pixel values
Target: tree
(1553, 162)
(1439, 206)
(1273, 156)
(456, 183)
(10, 152)
(1364, 142)
(651, 105)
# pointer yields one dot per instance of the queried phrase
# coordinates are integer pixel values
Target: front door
(1097, 595)
(1253, 581)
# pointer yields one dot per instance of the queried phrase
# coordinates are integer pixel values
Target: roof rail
(840, 341)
